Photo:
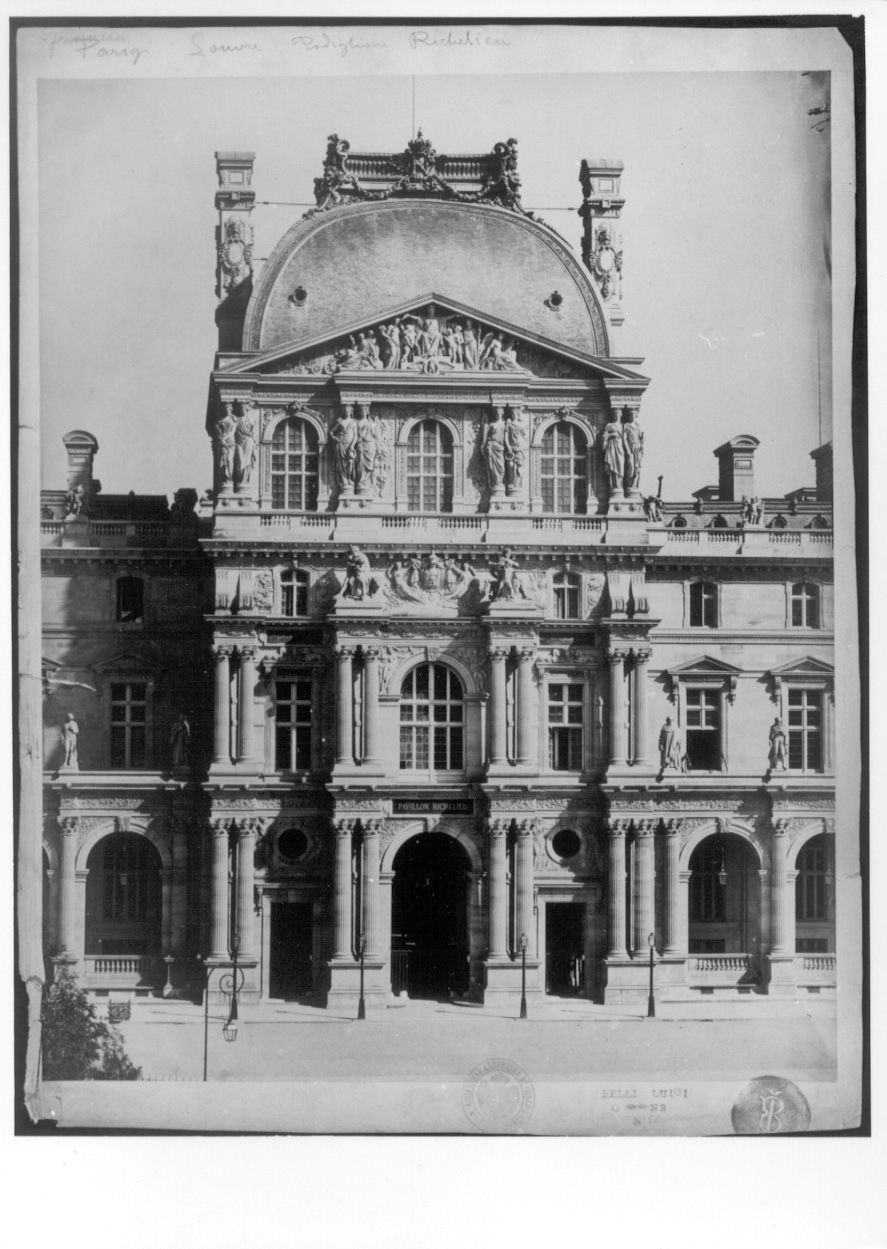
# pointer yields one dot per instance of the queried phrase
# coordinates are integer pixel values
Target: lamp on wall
(722, 870)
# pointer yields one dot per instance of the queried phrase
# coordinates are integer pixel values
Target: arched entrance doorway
(429, 917)
(724, 897)
(123, 897)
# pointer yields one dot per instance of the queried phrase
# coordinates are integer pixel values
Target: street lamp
(361, 1004)
(523, 975)
(229, 1030)
(651, 1001)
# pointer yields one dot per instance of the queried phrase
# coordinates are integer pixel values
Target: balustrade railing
(819, 962)
(121, 968)
(721, 962)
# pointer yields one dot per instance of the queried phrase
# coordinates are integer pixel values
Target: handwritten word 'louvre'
(198, 48)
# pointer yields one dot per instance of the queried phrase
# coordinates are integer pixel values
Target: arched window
(294, 466)
(130, 599)
(805, 605)
(724, 896)
(679, 522)
(432, 720)
(814, 898)
(123, 896)
(429, 468)
(703, 605)
(294, 593)
(564, 469)
(566, 595)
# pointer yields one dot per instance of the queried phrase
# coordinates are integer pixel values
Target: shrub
(76, 1044)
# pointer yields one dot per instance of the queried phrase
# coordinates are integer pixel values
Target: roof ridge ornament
(419, 171)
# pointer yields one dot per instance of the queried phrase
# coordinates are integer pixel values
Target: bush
(76, 1044)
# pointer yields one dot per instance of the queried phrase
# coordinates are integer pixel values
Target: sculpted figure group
(416, 578)
(505, 452)
(236, 438)
(355, 446)
(623, 447)
(427, 344)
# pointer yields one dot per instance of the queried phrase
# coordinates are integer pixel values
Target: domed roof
(359, 260)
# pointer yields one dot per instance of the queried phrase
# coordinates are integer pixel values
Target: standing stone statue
(470, 346)
(515, 453)
(494, 451)
(245, 446)
(633, 440)
(669, 746)
(391, 347)
(70, 730)
(226, 428)
(506, 580)
(778, 746)
(344, 440)
(180, 741)
(614, 454)
(366, 451)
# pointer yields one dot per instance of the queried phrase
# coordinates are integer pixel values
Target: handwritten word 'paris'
(85, 42)
(334, 43)
(462, 39)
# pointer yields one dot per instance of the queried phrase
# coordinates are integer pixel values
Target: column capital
(641, 654)
(780, 828)
(371, 652)
(499, 828)
(223, 650)
(645, 828)
(617, 828)
(372, 828)
(525, 829)
(344, 652)
(672, 828)
(616, 654)
(526, 654)
(220, 825)
(343, 828)
(499, 652)
(249, 827)
(248, 651)
(69, 825)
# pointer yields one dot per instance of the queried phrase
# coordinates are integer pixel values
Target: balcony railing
(122, 971)
(721, 963)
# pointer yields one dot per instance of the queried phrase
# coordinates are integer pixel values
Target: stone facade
(431, 670)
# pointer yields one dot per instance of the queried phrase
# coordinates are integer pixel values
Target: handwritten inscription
(101, 45)
(198, 48)
(460, 39)
(343, 44)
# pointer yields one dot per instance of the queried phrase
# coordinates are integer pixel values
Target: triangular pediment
(806, 667)
(128, 661)
(498, 348)
(705, 665)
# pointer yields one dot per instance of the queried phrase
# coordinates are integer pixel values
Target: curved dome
(359, 261)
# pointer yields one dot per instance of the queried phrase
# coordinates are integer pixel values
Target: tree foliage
(76, 1044)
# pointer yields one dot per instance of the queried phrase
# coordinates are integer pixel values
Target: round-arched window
(564, 469)
(432, 714)
(565, 843)
(429, 468)
(292, 844)
(294, 466)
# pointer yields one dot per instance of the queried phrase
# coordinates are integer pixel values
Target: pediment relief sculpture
(431, 578)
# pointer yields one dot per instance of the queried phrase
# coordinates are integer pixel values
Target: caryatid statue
(633, 439)
(344, 442)
(226, 428)
(515, 452)
(367, 449)
(494, 451)
(614, 454)
(244, 445)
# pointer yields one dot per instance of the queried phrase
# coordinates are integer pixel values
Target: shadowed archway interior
(429, 917)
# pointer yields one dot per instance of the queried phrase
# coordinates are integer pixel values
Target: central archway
(429, 917)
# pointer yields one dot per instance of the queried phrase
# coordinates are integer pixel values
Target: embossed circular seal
(770, 1104)
(498, 1095)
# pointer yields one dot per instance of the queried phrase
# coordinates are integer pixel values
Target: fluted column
(344, 707)
(68, 886)
(527, 737)
(616, 659)
(498, 893)
(780, 910)
(371, 705)
(318, 754)
(644, 877)
(166, 909)
(219, 890)
(369, 888)
(179, 884)
(246, 687)
(616, 899)
(222, 705)
(342, 936)
(246, 854)
(640, 745)
(498, 735)
(524, 920)
(673, 940)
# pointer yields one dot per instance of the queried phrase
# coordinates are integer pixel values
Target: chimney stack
(234, 245)
(600, 211)
(823, 458)
(81, 448)
(736, 464)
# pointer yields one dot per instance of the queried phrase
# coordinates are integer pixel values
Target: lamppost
(229, 1031)
(651, 1001)
(523, 975)
(361, 1004)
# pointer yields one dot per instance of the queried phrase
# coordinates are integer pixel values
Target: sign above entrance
(425, 806)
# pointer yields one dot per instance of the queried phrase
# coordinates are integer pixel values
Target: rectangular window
(292, 748)
(566, 715)
(805, 730)
(566, 597)
(704, 730)
(812, 945)
(129, 708)
(703, 605)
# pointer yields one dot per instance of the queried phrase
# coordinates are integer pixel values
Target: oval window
(565, 843)
(292, 844)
